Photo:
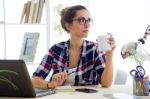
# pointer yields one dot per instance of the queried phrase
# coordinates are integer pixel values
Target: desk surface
(68, 93)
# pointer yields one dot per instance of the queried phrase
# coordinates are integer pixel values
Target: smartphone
(86, 90)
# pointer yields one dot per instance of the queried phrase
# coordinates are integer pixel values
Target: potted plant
(56, 23)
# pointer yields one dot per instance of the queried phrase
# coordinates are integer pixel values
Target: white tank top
(71, 77)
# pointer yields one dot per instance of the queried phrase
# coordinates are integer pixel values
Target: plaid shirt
(90, 65)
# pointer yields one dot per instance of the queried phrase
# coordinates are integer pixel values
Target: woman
(76, 61)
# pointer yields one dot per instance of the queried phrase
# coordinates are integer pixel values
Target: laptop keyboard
(43, 92)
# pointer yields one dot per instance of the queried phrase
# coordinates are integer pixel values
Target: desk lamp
(136, 48)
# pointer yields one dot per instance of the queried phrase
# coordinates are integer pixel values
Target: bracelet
(47, 86)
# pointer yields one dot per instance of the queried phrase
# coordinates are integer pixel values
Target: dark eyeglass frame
(83, 21)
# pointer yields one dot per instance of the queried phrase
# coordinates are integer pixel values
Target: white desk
(61, 94)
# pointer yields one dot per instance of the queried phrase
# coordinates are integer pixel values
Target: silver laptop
(16, 82)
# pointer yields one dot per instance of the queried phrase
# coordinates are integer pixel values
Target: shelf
(1, 22)
(12, 31)
(26, 24)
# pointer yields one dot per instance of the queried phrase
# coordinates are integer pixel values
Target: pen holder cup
(140, 86)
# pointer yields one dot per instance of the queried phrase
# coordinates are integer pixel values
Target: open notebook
(20, 85)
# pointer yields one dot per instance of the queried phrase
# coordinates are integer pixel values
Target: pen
(71, 72)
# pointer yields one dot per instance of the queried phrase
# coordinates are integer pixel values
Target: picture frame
(29, 46)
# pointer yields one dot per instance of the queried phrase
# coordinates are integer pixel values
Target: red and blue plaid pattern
(90, 65)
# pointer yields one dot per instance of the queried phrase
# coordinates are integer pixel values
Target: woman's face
(80, 24)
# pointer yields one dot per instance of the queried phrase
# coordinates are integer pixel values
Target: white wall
(127, 20)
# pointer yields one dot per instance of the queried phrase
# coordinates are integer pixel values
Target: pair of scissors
(139, 72)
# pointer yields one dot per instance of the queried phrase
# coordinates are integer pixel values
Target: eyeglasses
(83, 21)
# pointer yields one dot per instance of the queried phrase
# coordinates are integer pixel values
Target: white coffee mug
(103, 44)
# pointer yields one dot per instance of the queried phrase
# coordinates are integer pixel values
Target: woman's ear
(67, 26)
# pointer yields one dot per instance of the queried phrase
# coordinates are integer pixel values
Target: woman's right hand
(58, 79)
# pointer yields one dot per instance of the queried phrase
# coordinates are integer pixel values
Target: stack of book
(32, 11)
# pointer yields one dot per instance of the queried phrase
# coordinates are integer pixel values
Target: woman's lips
(86, 31)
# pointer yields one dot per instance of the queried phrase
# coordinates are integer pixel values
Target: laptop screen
(14, 79)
